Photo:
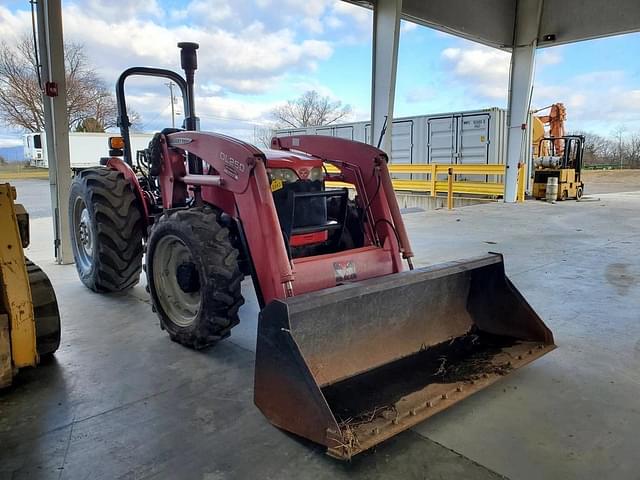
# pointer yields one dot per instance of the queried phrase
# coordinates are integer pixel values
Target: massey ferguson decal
(345, 271)
(231, 166)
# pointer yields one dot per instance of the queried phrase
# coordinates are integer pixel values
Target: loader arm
(363, 166)
(238, 169)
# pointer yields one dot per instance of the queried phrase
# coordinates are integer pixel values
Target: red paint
(51, 89)
(296, 161)
(174, 191)
(361, 165)
(242, 190)
(309, 238)
(317, 273)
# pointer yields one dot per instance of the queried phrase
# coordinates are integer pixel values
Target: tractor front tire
(107, 227)
(193, 277)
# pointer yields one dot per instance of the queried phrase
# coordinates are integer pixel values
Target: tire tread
(119, 230)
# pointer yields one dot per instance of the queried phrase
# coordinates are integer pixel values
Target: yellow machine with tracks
(29, 317)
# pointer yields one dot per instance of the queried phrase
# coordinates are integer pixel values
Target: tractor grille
(296, 212)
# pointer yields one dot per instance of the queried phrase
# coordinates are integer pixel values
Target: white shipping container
(85, 149)
(470, 137)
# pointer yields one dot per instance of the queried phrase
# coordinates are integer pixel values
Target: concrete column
(51, 49)
(386, 33)
(520, 89)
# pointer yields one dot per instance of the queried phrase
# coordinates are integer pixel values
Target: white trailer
(85, 149)
(469, 137)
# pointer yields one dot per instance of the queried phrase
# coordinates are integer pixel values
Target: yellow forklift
(29, 317)
(563, 160)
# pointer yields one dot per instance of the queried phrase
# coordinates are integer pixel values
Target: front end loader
(354, 345)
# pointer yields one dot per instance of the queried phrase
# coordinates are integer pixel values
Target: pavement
(35, 195)
(120, 400)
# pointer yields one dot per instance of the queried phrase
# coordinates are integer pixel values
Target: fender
(118, 164)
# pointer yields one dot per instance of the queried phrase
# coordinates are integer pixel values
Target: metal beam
(51, 47)
(520, 85)
(386, 33)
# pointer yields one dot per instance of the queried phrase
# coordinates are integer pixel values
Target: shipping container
(469, 137)
(85, 149)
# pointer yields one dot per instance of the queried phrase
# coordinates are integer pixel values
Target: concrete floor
(120, 400)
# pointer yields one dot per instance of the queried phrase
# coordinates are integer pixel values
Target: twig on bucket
(365, 417)
(442, 369)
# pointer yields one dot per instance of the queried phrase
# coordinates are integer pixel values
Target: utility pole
(173, 113)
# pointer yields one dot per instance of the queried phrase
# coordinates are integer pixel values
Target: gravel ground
(610, 181)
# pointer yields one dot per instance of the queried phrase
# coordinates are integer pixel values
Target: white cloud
(247, 61)
(309, 8)
(7, 141)
(357, 22)
(598, 100)
(204, 11)
(483, 70)
(313, 24)
(246, 49)
(420, 94)
(595, 100)
(549, 56)
(334, 22)
(13, 25)
(406, 26)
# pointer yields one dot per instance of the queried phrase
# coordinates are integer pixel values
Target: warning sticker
(345, 271)
(276, 184)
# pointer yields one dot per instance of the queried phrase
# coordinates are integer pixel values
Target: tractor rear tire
(45, 310)
(193, 277)
(107, 228)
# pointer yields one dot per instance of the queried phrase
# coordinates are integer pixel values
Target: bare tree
(309, 110)
(21, 103)
(597, 149)
(618, 135)
(262, 135)
(634, 150)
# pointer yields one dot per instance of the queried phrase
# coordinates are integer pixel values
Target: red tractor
(350, 344)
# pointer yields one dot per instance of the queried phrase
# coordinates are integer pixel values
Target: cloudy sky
(256, 54)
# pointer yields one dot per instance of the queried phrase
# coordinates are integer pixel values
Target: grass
(19, 172)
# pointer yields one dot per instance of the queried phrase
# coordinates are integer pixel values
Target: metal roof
(492, 22)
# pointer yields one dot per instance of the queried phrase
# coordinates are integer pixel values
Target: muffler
(351, 366)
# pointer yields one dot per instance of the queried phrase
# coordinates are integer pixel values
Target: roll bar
(191, 122)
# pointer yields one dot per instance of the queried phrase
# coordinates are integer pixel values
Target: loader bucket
(351, 366)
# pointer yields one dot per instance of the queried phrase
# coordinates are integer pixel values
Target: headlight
(285, 175)
(317, 173)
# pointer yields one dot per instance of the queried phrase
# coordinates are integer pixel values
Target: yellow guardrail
(436, 178)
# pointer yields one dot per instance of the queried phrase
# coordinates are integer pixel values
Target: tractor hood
(291, 160)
